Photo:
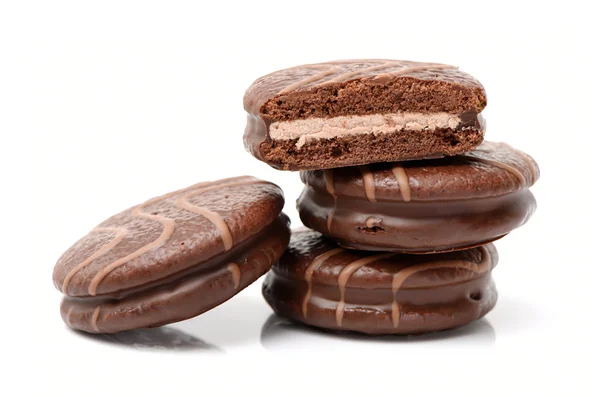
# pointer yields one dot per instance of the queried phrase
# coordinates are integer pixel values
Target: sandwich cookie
(354, 112)
(172, 257)
(426, 206)
(321, 284)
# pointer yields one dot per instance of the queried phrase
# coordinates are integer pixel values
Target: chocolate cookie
(423, 206)
(354, 112)
(172, 257)
(321, 284)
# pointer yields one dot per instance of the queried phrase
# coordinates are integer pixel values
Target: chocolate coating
(423, 206)
(318, 283)
(172, 257)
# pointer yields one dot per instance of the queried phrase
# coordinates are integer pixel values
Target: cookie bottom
(377, 311)
(368, 148)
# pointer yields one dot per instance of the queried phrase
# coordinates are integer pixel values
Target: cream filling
(306, 130)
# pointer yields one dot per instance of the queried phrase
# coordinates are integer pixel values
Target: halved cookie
(354, 112)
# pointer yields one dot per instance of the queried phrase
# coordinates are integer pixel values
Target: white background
(105, 104)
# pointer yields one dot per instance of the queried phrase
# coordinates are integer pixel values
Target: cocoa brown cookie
(172, 257)
(321, 284)
(354, 112)
(423, 206)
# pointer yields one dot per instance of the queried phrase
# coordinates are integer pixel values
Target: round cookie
(426, 206)
(172, 257)
(321, 284)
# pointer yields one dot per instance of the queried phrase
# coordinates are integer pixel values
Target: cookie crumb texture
(365, 149)
(364, 97)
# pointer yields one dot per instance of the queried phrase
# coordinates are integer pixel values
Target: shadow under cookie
(162, 338)
(279, 332)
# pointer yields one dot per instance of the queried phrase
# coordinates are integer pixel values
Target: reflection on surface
(278, 332)
(247, 320)
(235, 322)
(162, 338)
(515, 316)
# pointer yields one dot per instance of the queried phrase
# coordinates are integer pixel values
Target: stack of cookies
(402, 194)
(402, 197)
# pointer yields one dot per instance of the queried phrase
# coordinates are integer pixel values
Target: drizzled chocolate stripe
(138, 211)
(269, 255)
(326, 70)
(168, 229)
(120, 233)
(235, 274)
(213, 217)
(68, 317)
(95, 318)
(272, 255)
(328, 175)
(329, 182)
(512, 170)
(401, 276)
(368, 182)
(528, 161)
(331, 68)
(402, 180)
(348, 75)
(316, 263)
(346, 273)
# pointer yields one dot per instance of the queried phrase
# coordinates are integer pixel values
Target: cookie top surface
(269, 95)
(492, 169)
(167, 235)
(310, 252)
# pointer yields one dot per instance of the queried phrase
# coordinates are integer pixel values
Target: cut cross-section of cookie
(354, 112)
(172, 257)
